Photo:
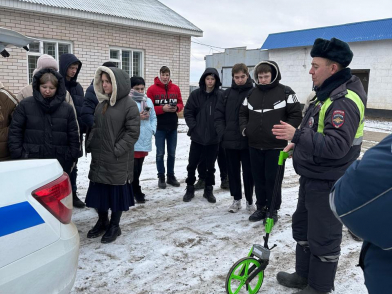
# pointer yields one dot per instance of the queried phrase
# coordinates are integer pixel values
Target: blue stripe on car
(18, 217)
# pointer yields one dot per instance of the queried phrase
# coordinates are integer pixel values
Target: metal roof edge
(63, 12)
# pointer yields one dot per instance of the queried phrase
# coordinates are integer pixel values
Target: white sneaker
(235, 206)
(250, 207)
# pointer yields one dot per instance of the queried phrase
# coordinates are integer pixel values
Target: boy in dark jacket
(199, 116)
(69, 68)
(268, 104)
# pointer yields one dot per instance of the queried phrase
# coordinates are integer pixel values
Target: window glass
(32, 64)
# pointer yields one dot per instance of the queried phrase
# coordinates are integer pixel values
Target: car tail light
(57, 198)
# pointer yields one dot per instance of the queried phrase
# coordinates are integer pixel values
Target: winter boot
(171, 180)
(225, 184)
(139, 196)
(162, 182)
(209, 195)
(201, 184)
(76, 201)
(310, 290)
(258, 215)
(100, 227)
(114, 228)
(292, 280)
(274, 216)
(190, 193)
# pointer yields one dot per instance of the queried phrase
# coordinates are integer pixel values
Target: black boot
(292, 280)
(76, 201)
(162, 182)
(138, 195)
(101, 226)
(171, 180)
(225, 184)
(209, 195)
(201, 184)
(258, 215)
(114, 228)
(190, 193)
(310, 290)
(274, 215)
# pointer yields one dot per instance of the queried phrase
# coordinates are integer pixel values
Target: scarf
(139, 97)
(330, 84)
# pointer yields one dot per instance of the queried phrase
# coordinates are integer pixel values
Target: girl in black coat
(44, 125)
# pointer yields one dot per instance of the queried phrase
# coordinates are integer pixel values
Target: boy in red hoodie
(167, 100)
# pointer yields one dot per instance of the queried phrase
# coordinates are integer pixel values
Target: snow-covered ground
(169, 246)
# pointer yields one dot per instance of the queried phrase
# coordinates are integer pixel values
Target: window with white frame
(53, 48)
(129, 60)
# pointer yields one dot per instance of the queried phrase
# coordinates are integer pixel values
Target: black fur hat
(335, 50)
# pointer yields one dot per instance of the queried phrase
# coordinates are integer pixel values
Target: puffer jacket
(45, 128)
(89, 103)
(148, 128)
(8, 103)
(227, 115)
(115, 131)
(199, 111)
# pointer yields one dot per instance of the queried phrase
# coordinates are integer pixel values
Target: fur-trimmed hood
(275, 74)
(120, 82)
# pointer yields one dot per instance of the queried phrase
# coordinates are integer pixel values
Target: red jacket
(162, 94)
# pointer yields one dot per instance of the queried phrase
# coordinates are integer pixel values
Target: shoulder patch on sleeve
(338, 118)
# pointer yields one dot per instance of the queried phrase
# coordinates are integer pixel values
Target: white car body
(38, 253)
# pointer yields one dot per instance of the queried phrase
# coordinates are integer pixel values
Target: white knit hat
(46, 61)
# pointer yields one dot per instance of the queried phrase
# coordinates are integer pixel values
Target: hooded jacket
(327, 155)
(162, 94)
(89, 103)
(265, 107)
(45, 128)
(8, 103)
(74, 88)
(227, 115)
(115, 131)
(199, 111)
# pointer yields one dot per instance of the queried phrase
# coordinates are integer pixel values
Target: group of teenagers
(245, 126)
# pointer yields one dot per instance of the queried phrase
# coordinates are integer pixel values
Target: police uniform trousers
(318, 234)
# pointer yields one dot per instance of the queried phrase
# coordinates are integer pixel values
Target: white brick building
(371, 43)
(140, 35)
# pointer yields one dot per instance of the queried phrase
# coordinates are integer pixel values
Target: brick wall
(295, 63)
(91, 43)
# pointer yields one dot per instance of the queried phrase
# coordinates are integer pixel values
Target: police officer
(327, 142)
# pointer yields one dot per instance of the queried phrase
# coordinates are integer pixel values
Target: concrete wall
(375, 56)
(91, 42)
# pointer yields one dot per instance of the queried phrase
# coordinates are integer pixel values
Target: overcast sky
(238, 23)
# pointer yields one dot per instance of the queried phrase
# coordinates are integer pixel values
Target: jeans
(171, 138)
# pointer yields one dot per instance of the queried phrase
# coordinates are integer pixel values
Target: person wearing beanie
(44, 61)
(70, 67)
(8, 103)
(148, 127)
(167, 103)
(269, 103)
(328, 141)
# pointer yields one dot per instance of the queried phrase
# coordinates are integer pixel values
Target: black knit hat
(335, 50)
(109, 64)
(137, 81)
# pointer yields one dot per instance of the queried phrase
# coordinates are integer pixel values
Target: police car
(39, 245)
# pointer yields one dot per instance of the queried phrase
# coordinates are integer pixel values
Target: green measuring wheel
(237, 280)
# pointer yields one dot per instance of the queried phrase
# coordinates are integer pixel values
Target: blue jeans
(171, 139)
